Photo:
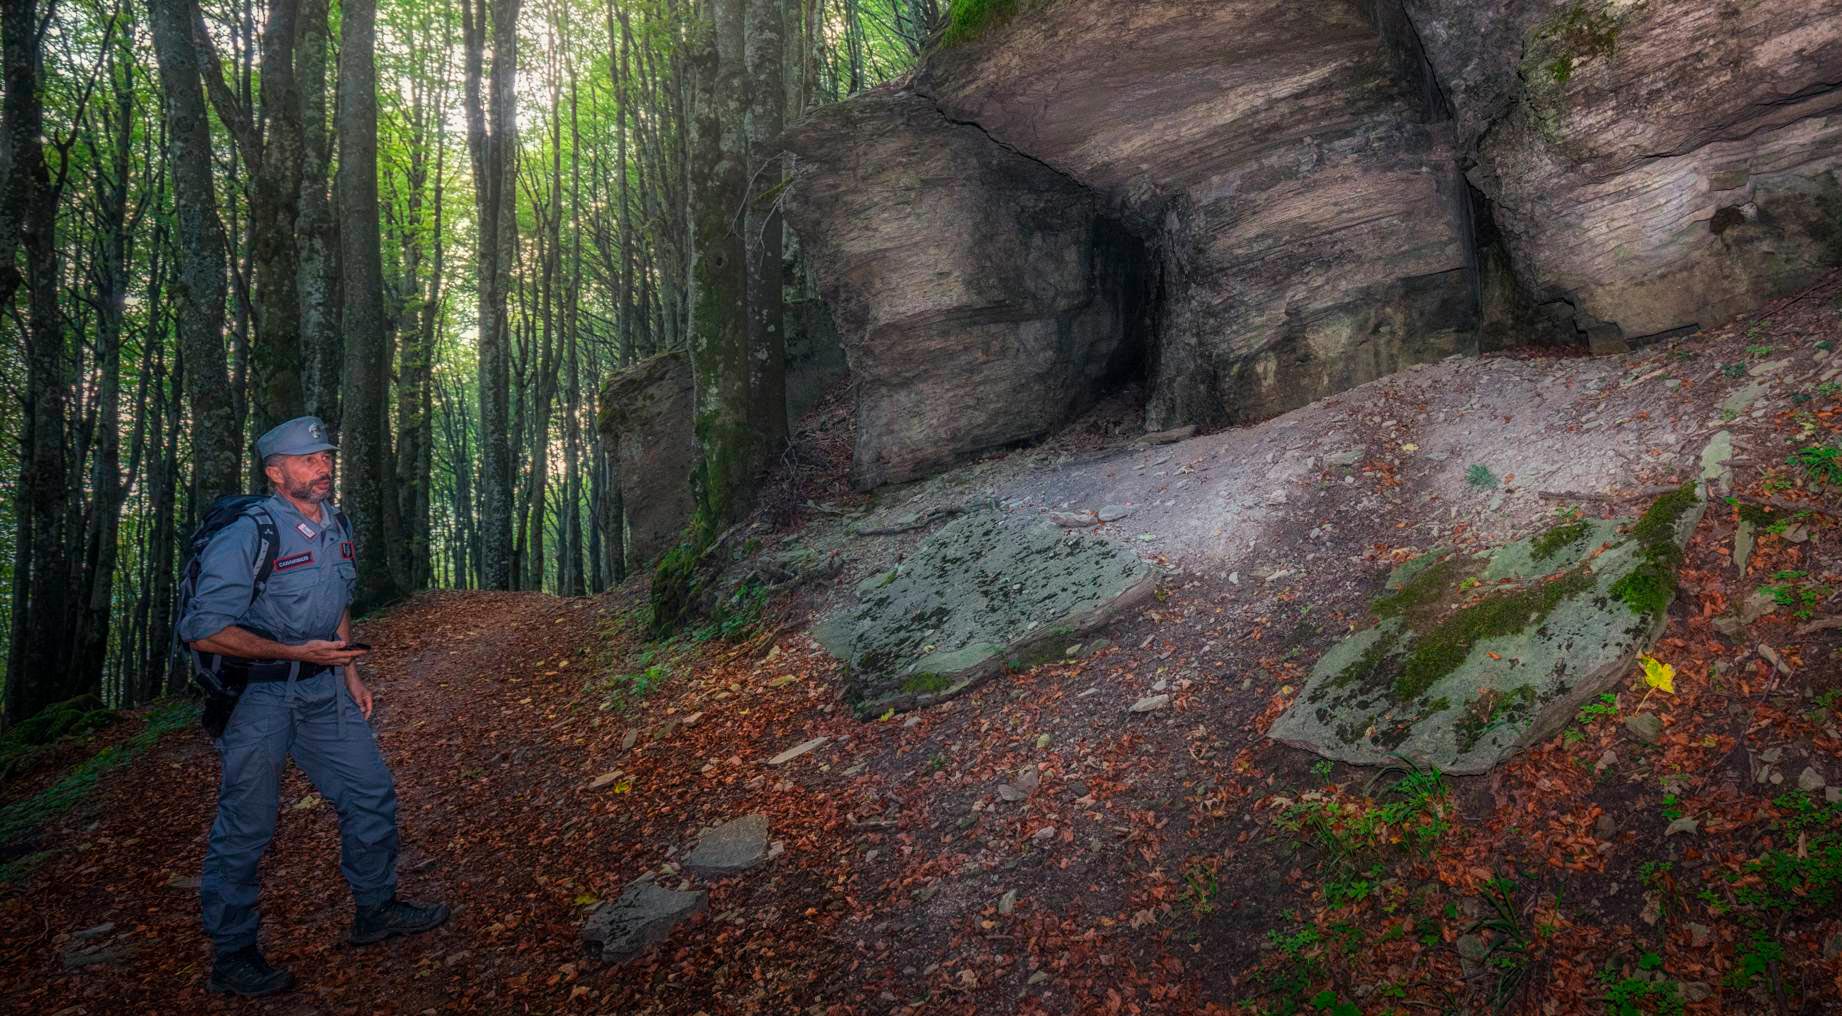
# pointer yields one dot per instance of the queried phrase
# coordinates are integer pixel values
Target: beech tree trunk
(493, 148)
(198, 284)
(363, 442)
(719, 317)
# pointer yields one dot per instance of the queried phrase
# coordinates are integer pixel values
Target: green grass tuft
(22, 816)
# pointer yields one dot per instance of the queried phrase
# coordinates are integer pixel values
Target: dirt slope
(1166, 861)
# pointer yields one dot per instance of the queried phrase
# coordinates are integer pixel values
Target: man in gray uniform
(303, 699)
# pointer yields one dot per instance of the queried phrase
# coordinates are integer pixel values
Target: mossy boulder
(1470, 659)
(984, 593)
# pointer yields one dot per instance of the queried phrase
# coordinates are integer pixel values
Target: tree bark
(321, 348)
(36, 662)
(719, 316)
(493, 150)
(767, 340)
(363, 444)
(198, 284)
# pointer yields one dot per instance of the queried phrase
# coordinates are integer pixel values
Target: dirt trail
(454, 676)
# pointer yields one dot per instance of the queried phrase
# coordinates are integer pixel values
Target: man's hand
(235, 641)
(360, 693)
(327, 653)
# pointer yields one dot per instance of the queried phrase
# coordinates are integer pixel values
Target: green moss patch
(1423, 588)
(1559, 538)
(926, 684)
(968, 19)
(1648, 589)
(1438, 652)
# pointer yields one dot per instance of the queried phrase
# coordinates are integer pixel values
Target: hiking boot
(245, 972)
(395, 917)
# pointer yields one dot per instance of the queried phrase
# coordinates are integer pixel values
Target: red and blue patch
(345, 550)
(293, 561)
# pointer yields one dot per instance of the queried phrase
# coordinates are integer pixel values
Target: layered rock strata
(980, 297)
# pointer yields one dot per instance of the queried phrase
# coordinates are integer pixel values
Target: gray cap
(302, 435)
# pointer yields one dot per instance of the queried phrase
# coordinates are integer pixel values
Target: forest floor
(1034, 847)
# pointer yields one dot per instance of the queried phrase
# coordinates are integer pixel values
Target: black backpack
(221, 689)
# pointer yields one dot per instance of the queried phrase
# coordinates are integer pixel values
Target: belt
(271, 670)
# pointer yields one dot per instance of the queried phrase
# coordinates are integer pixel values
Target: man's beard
(310, 492)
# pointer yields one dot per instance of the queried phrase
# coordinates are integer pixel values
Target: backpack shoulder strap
(268, 547)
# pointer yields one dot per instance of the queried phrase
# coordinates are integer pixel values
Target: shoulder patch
(345, 550)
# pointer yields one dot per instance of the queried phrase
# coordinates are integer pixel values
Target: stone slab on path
(1473, 659)
(735, 846)
(643, 916)
(981, 592)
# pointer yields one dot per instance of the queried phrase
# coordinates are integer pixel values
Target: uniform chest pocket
(348, 575)
(292, 580)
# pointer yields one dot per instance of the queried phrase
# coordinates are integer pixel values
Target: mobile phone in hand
(362, 646)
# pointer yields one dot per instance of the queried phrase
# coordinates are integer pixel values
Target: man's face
(303, 477)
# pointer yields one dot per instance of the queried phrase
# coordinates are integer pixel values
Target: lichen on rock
(985, 592)
(1472, 658)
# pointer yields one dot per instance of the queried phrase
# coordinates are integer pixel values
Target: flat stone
(737, 845)
(1475, 698)
(78, 957)
(797, 750)
(1113, 513)
(1742, 545)
(1074, 520)
(983, 591)
(1810, 781)
(1757, 604)
(643, 916)
(1646, 727)
(1150, 703)
(1716, 456)
(1700, 934)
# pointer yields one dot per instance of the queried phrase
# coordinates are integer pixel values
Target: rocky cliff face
(980, 297)
(646, 416)
(1325, 192)
(1651, 166)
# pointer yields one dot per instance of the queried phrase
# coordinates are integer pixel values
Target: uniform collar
(284, 508)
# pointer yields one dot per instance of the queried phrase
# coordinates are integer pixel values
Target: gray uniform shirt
(315, 573)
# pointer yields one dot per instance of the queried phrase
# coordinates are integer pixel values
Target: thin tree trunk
(199, 282)
(493, 150)
(767, 341)
(40, 616)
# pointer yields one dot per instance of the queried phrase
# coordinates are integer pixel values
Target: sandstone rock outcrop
(980, 297)
(1651, 166)
(646, 416)
(1328, 192)
(1308, 210)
